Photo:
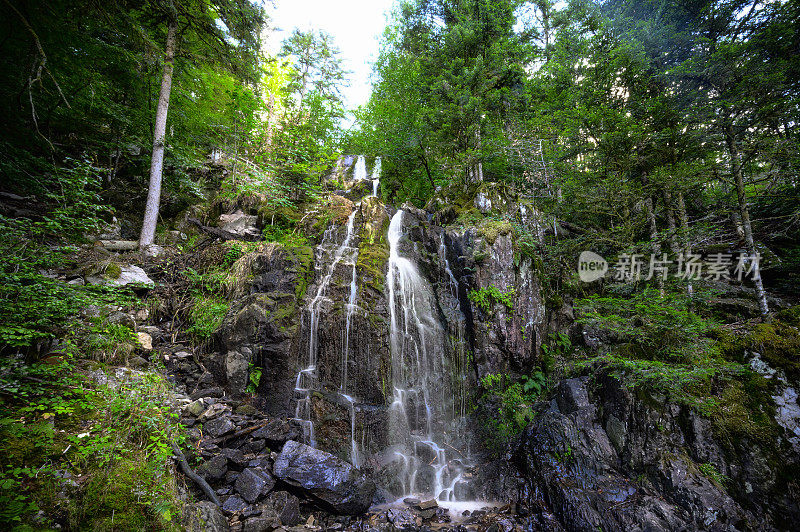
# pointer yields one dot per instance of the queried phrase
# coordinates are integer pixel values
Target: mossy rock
(303, 259)
(491, 229)
(113, 271)
(744, 409)
(779, 344)
(371, 264)
(117, 497)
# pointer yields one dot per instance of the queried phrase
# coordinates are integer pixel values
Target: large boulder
(334, 484)
(121, 275)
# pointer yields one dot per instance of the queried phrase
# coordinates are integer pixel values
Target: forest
(545, 277)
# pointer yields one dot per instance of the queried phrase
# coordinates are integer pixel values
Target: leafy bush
(486, 298)
(107, 447)
(663, 326)
(514, 401)
(207, 315)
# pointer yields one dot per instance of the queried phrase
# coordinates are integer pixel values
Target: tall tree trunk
(159, 133)
(654, 238)
(683, 219)
(673, 230)
(744, 212)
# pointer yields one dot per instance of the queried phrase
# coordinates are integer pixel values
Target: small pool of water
(456, 508)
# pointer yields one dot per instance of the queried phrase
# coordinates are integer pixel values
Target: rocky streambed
(266, 480)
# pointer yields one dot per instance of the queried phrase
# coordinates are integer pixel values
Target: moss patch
(303, 258)
(113, 270)
(490, 229)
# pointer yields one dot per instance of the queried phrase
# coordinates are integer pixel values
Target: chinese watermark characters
(687, 267)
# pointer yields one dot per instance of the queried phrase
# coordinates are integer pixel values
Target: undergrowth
(84, 449)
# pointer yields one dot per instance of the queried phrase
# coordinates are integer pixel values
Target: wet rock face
(262, 325)
(335, 483)
(506, 339)
(603, 459)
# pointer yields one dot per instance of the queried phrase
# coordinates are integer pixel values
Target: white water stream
(307, 376)
(422, 414)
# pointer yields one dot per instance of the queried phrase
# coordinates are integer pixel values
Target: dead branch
(221, 233)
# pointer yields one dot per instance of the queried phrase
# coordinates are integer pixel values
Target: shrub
(206, 315)
(486, 298)
(514, 400)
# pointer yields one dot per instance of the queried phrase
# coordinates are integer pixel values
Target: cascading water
(424, 416)
(376, 176)
(360, 172)
(355, 455)
(307, 376)
(452, 282)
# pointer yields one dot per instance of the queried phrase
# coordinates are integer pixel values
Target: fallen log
(118, 245)
(221, 233)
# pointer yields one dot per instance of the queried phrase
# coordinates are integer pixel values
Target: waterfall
(306, 377)
(360, 172)
(355, 454)
(355, 457)
(376, 176)
(452, 282)
(423, 418)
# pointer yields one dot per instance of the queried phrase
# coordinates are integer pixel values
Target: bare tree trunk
(673, 231)
(744, 212)
(159, 133)
(684, 224)
(654, 238)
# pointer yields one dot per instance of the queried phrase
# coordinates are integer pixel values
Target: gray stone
(237, 369)
(261, 524)
(195, 408)
(219, 427)
(326, 479)
(153, 251)
(214, 468)
(277, 432)
(235, 457)
(208, 392)
(617, 432)
(212, 412)
(137, 362)
(205, 517)
(239, 224)
(122, 318)
(401, 517)
(234, 504)
(427, 505)
(145, 341)
(254, 483)
(129, 274)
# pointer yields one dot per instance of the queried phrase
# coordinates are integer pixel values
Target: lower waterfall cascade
(424, 419)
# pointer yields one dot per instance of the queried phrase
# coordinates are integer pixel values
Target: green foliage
(778, 342)
(486, 298)
(254, 378)
(700, 368)
(107, 341)
(286, 237)
(107, 447)
(33, 306)
(206, 315)
(713, 474)
(659, 326)
(513, 402)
